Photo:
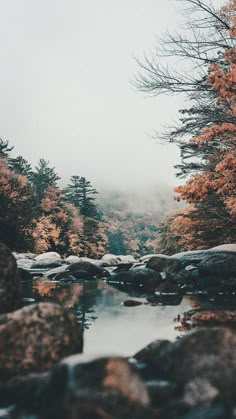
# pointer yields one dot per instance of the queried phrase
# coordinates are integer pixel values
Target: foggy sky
(66, 96)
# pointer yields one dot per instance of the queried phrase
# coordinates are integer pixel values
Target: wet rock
(164, 263)
(47, 263)
(63, 275)
(115, 374)
(87, 267)
(138, 265)
(165, 299)
(207, 353)
(10, 286)
(213, 318)
(122, 267)
(24, 275)
(161, 391)
(200, 391)
(36, 337)
(53, 272)
(80, 274)
(221, 264)
(145, 258)
(169, 287)
(207, 259)
(150, 355)
(132, 303)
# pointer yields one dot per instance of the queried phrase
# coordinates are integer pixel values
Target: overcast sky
(66, 96)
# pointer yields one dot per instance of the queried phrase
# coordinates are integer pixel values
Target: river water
(110, 327)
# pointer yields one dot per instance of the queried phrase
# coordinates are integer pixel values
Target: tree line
(37, 215)
(200, 64)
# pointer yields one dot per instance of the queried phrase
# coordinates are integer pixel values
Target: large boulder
(10, 286)
(163, 263)
(36, 337)
(110, 259)
(86, 267)
(207, 353)
(231, 247)
(147, 279)
(215, 318)
(47, 256)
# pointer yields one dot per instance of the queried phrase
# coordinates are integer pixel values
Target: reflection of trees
(78, 298)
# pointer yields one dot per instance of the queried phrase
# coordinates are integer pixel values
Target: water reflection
(111, 327)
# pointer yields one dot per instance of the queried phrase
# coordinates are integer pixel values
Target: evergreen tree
(4, 149)
(21, 166)
(80, 193)
(42, 177)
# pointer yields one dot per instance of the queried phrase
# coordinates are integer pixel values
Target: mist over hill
(133, 216)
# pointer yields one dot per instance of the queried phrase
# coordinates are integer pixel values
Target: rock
(145, 258)
(47, 256)
(10, 286)
(25, 263)
(64, 275)
(138, 265)
(222, 264)
(146, 278)
(115, 374)
(111, 260)
(47, 263)
(36, 337)
(122, 267)
(200, 391)
(200, 256)
(213, 318)
(150, 355)
(27, 255)
(87, 267)
(72, 259)
(207, 353)
(163, 263)
(127, 259)
(132, 303)
(80, 274)
(53, 272)
(24, 275)
(169, 287)
(228, 247)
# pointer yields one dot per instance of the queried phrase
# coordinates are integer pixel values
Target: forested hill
(133, 217)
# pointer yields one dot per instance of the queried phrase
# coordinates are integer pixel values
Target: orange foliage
(216, 185)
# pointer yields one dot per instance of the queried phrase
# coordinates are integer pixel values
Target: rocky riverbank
(44, 375)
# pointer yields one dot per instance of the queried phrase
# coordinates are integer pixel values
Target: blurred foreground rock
(36, 337)
(10, 286)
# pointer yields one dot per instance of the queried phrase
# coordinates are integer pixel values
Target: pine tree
(42, 177)
(20, 166)
(80, 193)
(4, 149)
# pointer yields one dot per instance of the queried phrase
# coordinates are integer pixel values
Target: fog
(66, 95)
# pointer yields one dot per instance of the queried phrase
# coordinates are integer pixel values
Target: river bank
(179, 378)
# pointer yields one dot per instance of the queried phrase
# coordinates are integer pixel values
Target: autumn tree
(207, 129)
(16, 209)
(59, 227)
